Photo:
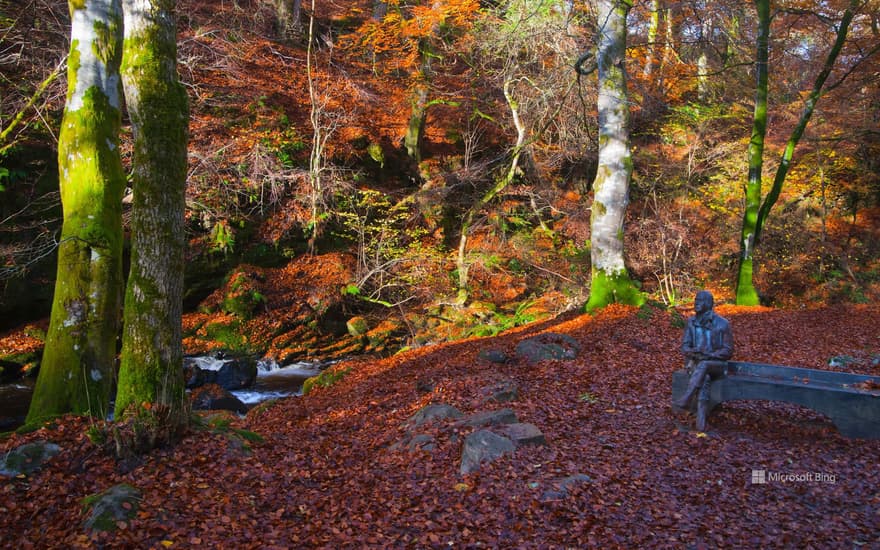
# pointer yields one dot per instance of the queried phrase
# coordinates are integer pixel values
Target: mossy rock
(116, 505)
(28, 362)
(481, 310)
(243, 295)
(341, 348)
(376, 153)
(385, 335)
(227, 334)
(324, 380)
(357, 326)
(243, 305)
(28, 458)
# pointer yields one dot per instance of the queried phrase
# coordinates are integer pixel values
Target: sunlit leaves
(398, 40)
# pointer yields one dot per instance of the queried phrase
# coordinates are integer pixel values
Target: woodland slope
(327, 474)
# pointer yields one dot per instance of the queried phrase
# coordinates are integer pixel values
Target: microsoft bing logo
(763, 477)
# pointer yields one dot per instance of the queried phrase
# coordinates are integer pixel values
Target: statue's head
(703, 301)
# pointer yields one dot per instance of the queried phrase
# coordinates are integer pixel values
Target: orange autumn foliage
(399, 36)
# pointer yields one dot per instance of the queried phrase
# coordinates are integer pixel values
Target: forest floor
(328, 475)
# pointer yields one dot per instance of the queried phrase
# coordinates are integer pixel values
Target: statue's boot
(694, 384)
(702, 405)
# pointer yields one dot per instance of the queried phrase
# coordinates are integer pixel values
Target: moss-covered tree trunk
(415, 129)
(151, 367)
(806, 114)
(746, 294)
(320, 136)
(288, 16)
(610, 280)
(79, 359)
(757, 211)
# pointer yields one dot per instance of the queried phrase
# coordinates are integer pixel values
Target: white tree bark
(610, 281)
(611, 186)
(78, 363)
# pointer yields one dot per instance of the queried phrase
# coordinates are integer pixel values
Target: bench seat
(851, 401)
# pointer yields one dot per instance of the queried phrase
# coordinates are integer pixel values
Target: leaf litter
(328, 475)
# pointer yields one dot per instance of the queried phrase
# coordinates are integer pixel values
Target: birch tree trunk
(746, 294)
(610, 280)
(79, 359)
(671, 31)
(152, 356)
(706, 30)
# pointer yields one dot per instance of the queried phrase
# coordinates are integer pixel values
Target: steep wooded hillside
(257, 195)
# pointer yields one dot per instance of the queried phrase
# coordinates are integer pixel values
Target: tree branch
(20, 115)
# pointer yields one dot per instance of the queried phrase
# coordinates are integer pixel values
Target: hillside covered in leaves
(328, 469)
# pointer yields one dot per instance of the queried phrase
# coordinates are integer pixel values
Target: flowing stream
(273, 381)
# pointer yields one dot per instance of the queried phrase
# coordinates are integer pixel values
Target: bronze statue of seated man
(707, 345)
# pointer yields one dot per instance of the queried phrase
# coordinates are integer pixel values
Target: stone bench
(851, 401)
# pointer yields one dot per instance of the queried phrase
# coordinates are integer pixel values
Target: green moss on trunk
(746, 294)
(606, 289)
(745, 290)
(150, 369)
(80, 354)
(412, 141)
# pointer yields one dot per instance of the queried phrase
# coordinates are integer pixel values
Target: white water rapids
(274, 380)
